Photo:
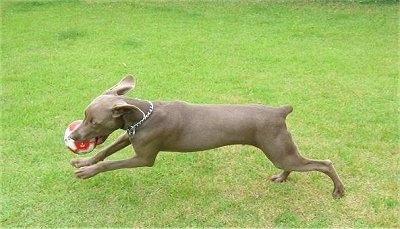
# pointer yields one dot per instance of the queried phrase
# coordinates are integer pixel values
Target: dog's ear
(120, 109)
(125, 85)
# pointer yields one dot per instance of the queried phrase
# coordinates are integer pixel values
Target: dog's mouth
(101, 139)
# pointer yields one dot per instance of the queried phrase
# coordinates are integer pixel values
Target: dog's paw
(81, 162)
(281, 177)
(87, 171)
(278, 178)
(338, 192)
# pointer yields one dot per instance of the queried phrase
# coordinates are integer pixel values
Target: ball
(78, 147)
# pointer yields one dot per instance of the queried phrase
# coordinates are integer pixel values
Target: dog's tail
(286, 110)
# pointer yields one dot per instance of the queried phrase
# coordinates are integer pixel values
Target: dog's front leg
(121, 142)
(92, 170)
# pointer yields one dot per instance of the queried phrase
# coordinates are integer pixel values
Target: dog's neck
(137, 118)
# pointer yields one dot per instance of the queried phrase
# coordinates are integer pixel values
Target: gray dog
(182, 127)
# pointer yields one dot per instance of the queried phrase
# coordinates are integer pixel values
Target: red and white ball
(78, 147)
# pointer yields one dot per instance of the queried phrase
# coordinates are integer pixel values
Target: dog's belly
(205, 140)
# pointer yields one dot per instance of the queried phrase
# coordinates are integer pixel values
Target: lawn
(335, 62)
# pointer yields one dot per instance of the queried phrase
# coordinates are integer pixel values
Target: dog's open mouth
(101, 139)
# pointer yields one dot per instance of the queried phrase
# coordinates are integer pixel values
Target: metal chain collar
(132, 129)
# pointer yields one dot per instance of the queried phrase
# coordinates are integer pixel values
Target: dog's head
(104, 113)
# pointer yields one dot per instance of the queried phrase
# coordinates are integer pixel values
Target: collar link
(131, 130)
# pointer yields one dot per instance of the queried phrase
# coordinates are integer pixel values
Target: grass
(335, 62)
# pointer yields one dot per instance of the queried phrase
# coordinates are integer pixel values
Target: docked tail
(286, 110)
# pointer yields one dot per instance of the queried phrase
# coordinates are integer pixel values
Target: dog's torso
(192, 127)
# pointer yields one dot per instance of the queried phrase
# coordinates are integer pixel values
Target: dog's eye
(92, 121)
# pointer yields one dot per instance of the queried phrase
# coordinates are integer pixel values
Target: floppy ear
(121, 109)
(125, 85)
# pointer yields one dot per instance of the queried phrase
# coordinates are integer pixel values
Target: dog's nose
(74, 136)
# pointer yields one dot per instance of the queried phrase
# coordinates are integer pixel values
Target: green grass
(335, 62)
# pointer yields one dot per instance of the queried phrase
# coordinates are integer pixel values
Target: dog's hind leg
(284, 154)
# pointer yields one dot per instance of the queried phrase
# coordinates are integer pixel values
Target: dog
(178, 126)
